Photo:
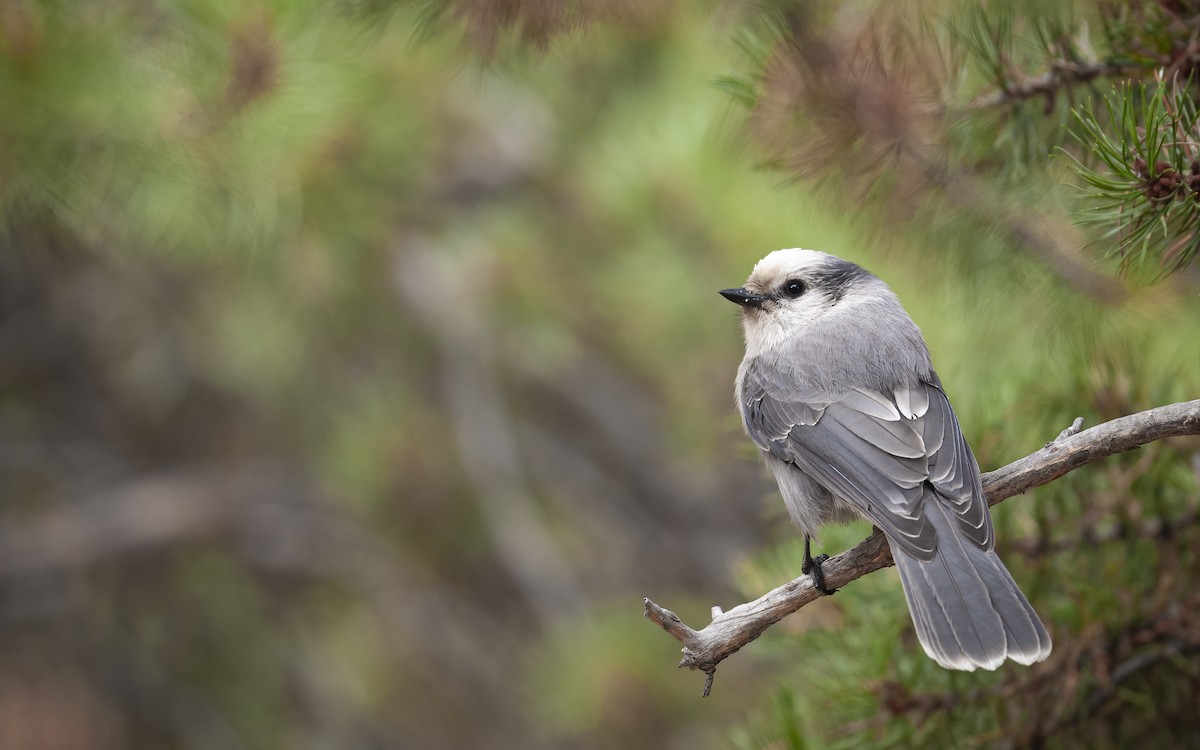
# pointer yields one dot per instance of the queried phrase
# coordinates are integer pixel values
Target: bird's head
(790, 289)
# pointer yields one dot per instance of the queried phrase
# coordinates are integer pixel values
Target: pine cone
(1161, 185)
(1192, 180)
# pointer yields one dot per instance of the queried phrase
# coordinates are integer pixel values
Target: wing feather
(876, 451)
(898, 438)
(871, 404)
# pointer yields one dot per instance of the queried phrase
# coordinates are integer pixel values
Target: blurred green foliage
(361, 367)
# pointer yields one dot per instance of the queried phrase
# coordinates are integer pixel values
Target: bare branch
(1070, 452)
(729, 631)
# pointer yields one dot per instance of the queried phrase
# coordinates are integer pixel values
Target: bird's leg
(812, 565)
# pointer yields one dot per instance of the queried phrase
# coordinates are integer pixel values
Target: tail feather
(1028, 641)
(933, 629)
(967, 610)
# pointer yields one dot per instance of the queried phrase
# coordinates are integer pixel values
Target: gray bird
(838, 390)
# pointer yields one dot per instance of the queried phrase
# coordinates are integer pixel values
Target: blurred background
(362, 368)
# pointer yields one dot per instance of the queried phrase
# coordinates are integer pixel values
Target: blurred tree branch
(876, 102)
(870, 107)
(488, 25)
(484, 430)
(730, 631)
(1048, 84)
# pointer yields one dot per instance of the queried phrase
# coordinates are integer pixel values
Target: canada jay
(838, 391)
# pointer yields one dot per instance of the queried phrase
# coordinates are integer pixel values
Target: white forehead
(784, 263)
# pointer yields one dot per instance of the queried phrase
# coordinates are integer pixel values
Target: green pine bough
(1143, 184)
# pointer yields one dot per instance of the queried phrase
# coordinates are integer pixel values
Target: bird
(838, 391)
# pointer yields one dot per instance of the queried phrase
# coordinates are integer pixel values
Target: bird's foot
(812, 566)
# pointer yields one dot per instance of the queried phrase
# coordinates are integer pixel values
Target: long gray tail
(966, 607)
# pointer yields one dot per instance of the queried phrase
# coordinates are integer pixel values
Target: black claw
(818, 578)
(812, 565)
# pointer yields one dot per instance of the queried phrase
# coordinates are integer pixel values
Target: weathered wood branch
(729, 631)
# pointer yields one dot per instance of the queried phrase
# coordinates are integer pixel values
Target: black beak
(743, 297)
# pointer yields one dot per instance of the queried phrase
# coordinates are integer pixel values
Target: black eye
(793, 288)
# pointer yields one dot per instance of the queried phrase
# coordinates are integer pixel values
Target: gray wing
(879, 452)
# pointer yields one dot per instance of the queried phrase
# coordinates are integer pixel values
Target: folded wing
(884, 453)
